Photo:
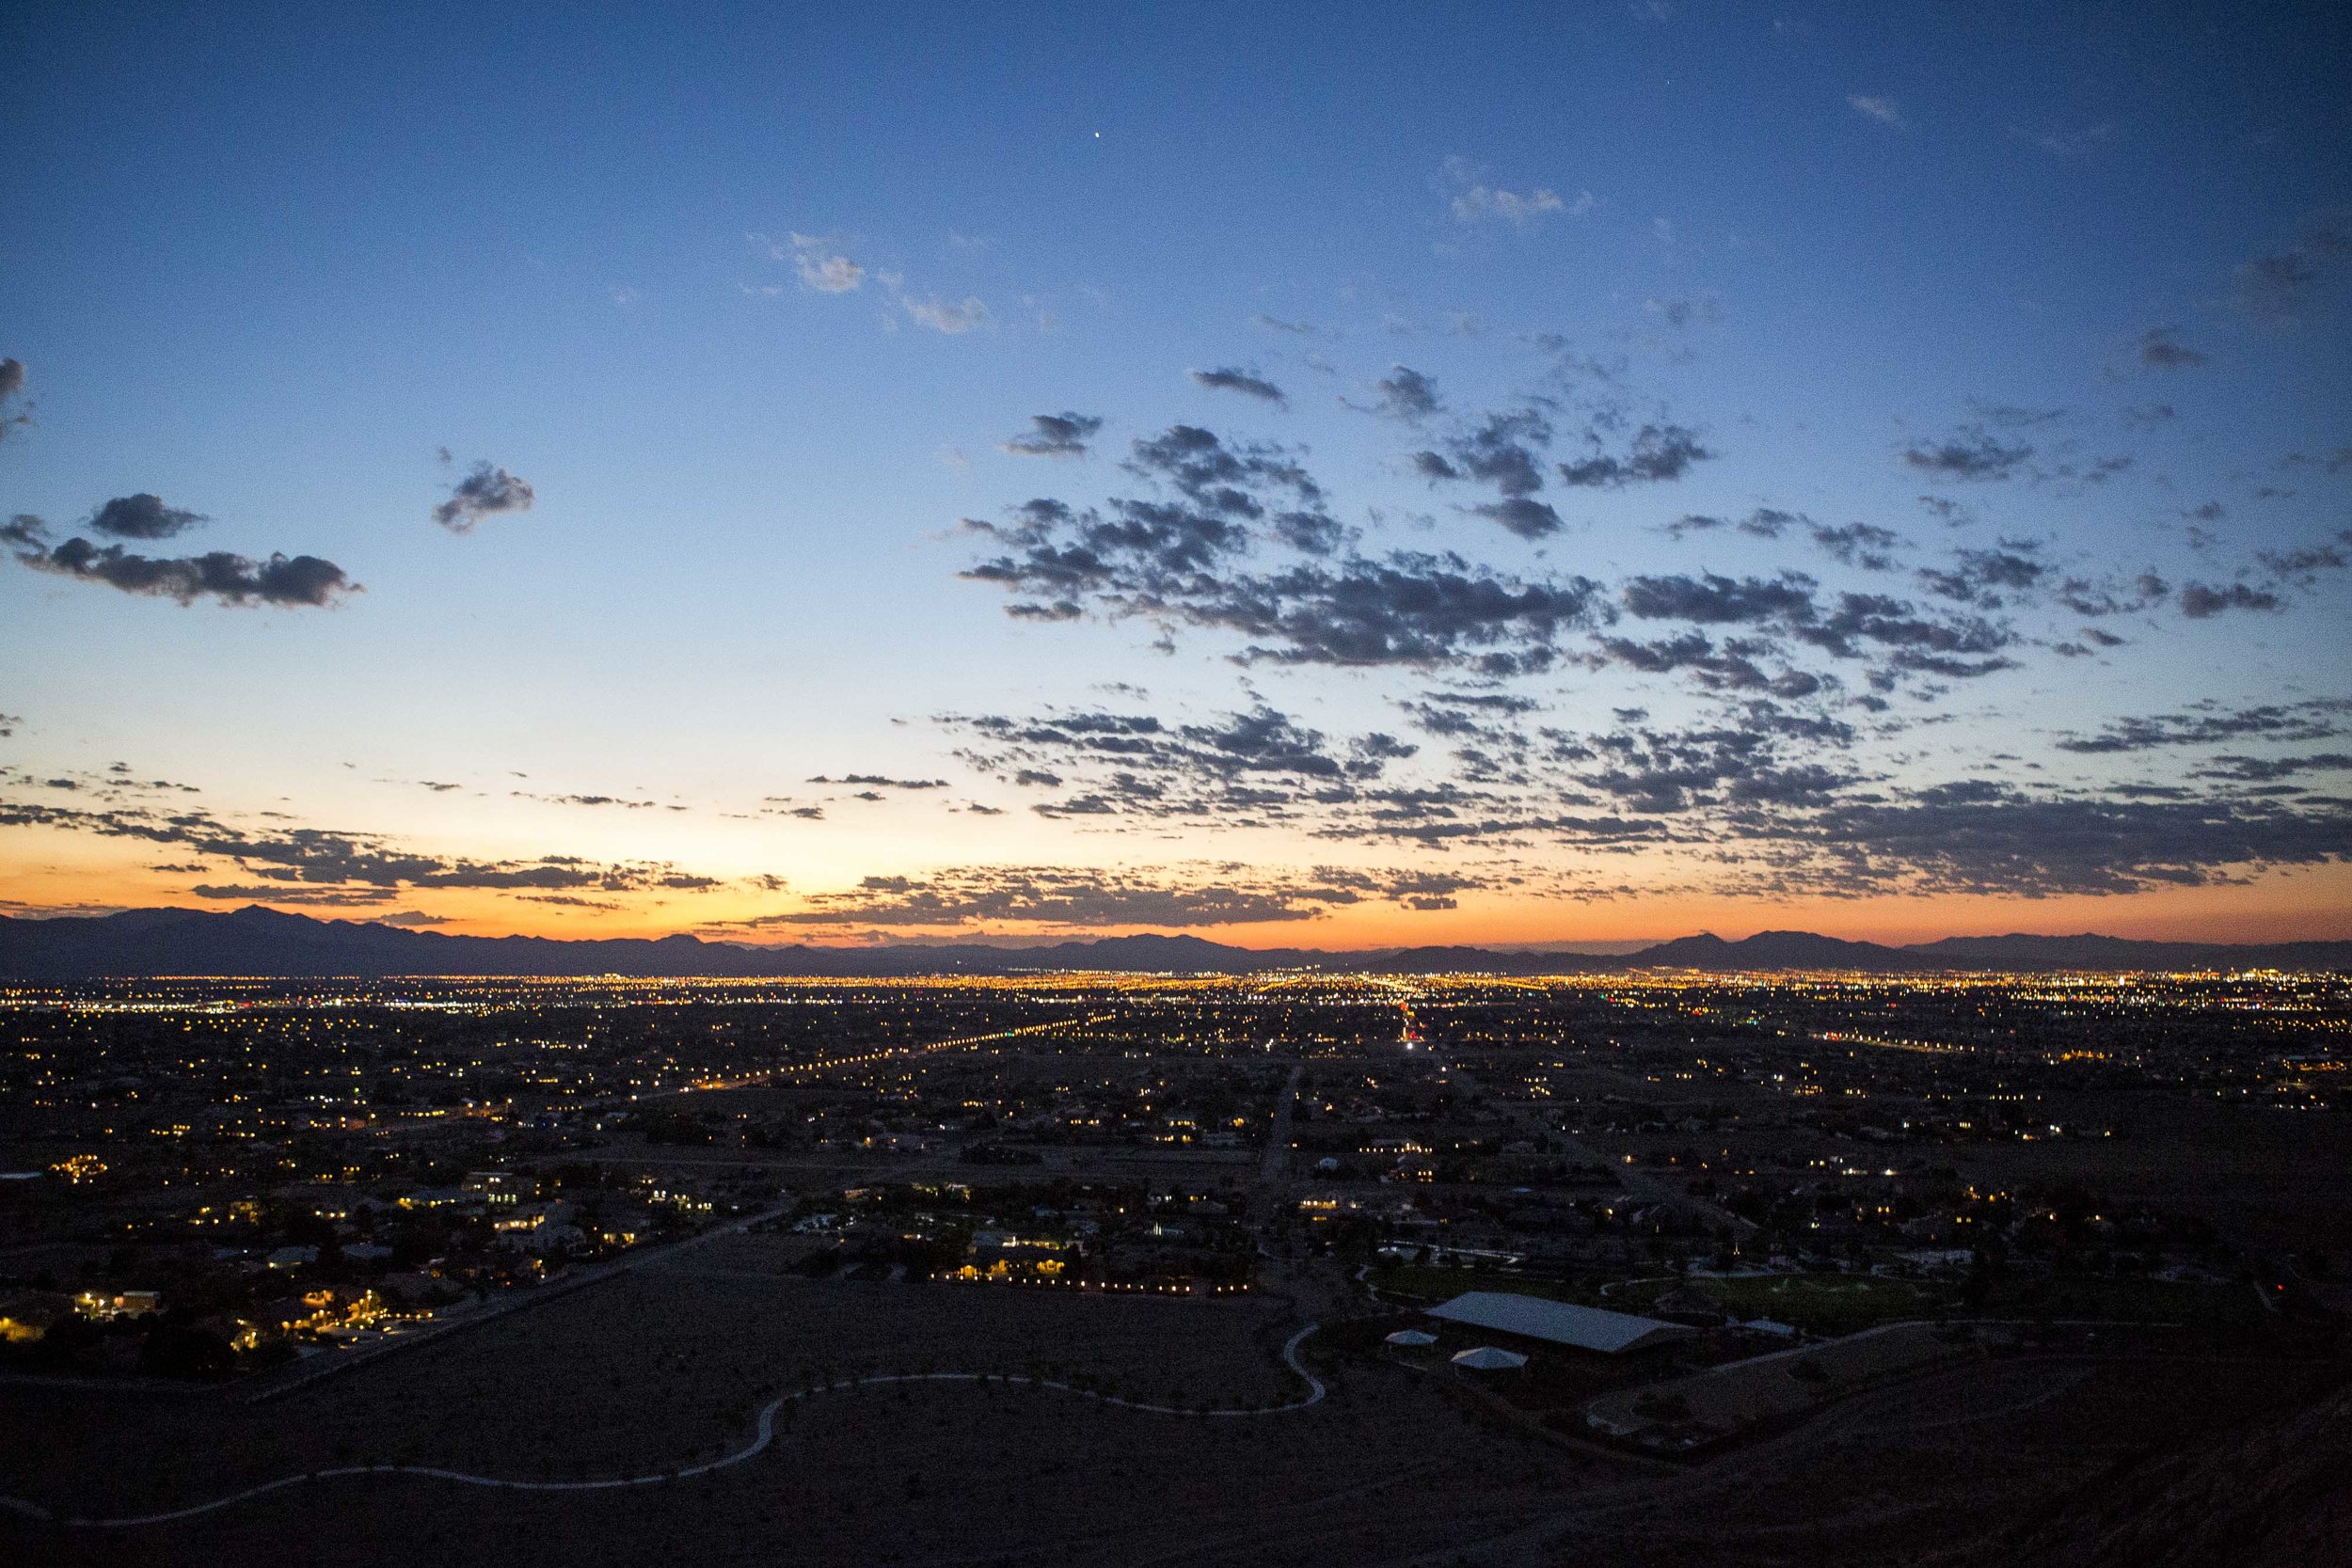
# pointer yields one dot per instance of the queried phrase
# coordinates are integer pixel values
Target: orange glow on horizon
(78, 875)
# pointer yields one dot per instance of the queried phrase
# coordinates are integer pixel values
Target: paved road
(1277, 1163)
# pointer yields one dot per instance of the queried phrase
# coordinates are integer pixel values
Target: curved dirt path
(765, 1435)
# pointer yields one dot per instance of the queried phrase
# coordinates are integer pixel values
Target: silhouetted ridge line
(256, 942)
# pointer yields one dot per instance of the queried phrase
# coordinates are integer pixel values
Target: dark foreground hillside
(2276, 1492)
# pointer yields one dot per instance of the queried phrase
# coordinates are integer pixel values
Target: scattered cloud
(484, 492)
(1877, 107)
(1473, 200)
(818, 260)
(315, 857)
(2160, 349)
(1181, 898)
(1972, 455)
(1231, 380)
(143, 517)
(878, 780)
(1660, 453)
(1405, 394)
(2277, 288)
(2200, 601)
(1062, 434)
(286, 582)
(2072, 144)
(1680, 313)
(952, 317)
(2214, 724)
(12, 381)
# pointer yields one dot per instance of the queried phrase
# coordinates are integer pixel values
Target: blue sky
(752, 300)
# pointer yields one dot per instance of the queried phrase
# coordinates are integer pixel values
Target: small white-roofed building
(1412, 1339)
(1558, 1322)
(1489, 1358)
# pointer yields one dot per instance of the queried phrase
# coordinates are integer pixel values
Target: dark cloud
(1405, 394)
(486, 491)
(2334, 462)
(1230, 480)
(1183, 561)
(2200, 601)
(264, 893)
(1230, 380)
(284, 580)
(1659, 454)
(1529, 519)
(1973, 454)
(1980, 576)
(1669, 772)
(2302, 567)
(2245, 769)
(1861, 545)
(1738, 665)
(1712, 599)
(2011, 416)
(2085, 596)
(1233, 748)
(1087, 898)
(877, 781)
(1982, 837)
(1406, 609)
(12, 388)
(2315, 720)
(1765, 522)
(2276, 288)
(1063, 435)
(325, 858)
(621, 801)
(2160, 350)
(143, 517)
(1680, 313)
(1502, 449)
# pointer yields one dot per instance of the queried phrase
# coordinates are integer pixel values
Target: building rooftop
(1534, 1318)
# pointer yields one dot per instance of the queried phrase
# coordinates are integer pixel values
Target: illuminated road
(966, 1042)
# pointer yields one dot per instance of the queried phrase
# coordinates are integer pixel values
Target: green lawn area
(1442, 1284)
(1828, 1303)
(2153, 1301)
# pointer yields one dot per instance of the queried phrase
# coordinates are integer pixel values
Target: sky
(1333, 476)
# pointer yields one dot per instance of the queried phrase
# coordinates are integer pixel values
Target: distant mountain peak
(257, 940)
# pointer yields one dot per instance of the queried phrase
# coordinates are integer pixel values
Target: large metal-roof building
(1558, 1322)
